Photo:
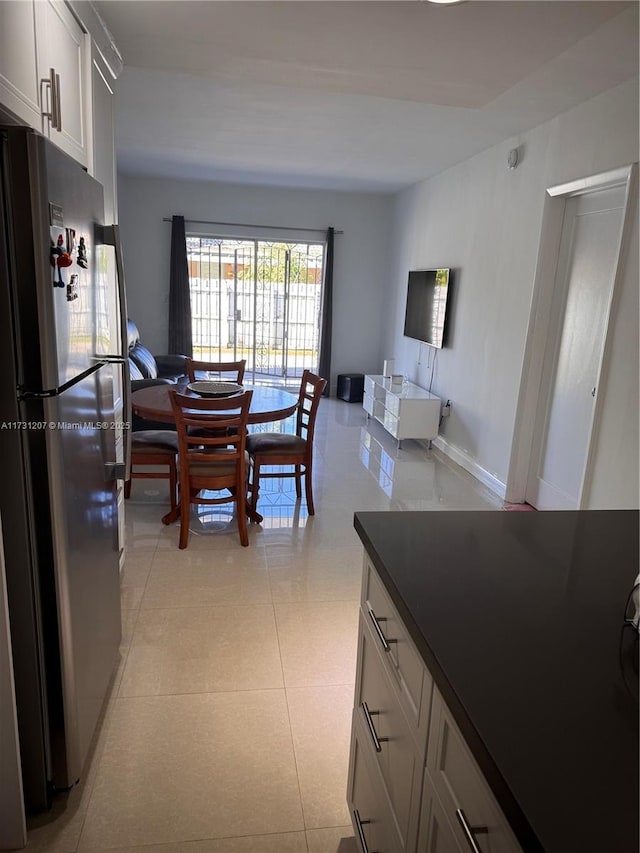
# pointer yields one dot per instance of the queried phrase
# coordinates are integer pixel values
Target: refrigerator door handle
(36, 395)
(111, 237)
(45, 393)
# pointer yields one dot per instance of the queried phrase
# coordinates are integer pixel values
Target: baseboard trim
(465, 461)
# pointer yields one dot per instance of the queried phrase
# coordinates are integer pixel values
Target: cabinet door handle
(377, 741)
(376, 625)
(359, 824)
(54, 98)
(470, 831)
(49, 83)
(57, 110)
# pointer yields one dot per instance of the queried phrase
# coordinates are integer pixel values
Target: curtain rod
(249, 225)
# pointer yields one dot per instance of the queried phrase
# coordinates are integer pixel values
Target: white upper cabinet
(19, 73)
(63, 46)
(103, 161)
(43, 71)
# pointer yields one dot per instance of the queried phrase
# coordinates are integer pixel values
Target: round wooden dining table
(267, 404)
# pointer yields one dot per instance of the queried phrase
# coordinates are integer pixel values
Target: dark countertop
(519, 618)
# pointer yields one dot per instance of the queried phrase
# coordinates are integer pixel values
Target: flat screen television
(426, 313)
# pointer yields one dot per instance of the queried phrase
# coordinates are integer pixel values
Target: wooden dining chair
(278, 448)
(231, 370)
(208, 460)
(158, 449)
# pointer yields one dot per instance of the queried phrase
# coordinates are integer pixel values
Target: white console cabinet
(405, 410)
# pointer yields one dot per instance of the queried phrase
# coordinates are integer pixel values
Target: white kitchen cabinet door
(19, 76)
(400, 657)
(38, 39)
(103, 160)
(373, 824)
(63, 46)
(463, 791)
(390, 736)
(436, 835)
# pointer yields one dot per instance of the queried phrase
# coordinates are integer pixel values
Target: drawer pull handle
(376, 624)
(359, 824)
(377, 741)
(470, 831)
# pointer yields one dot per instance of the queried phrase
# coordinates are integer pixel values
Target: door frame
(539, 324)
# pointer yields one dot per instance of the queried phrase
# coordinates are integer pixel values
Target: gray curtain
(324, 361)
(180, 339)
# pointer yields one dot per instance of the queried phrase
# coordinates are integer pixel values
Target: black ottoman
(351, 387)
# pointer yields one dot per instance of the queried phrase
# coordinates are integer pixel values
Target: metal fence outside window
(259, 300)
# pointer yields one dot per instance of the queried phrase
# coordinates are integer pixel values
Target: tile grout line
(114, 699)
(286, 700)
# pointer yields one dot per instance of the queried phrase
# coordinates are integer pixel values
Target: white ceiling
(365, 95)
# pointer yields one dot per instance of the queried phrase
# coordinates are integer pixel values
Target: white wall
(485, 220)
(360, 253)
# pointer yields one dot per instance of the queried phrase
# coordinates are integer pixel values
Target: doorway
(568, 342)
(258, 300)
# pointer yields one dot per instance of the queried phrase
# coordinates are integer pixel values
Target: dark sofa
(146, 369)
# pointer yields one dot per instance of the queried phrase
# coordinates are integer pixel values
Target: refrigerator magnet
(54, 251)
(82, 254)
(72, 287)
(56, 248)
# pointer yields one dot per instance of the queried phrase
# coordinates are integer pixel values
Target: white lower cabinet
(373, 822)
(414, 786)
(388, 734)
(400, 657)
(436, 835)
(468, 802)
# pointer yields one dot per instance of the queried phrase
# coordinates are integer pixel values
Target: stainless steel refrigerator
(62, 339)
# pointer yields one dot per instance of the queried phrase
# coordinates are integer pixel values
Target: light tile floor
(227, 727)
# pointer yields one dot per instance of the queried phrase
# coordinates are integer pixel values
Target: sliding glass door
(259, 300)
